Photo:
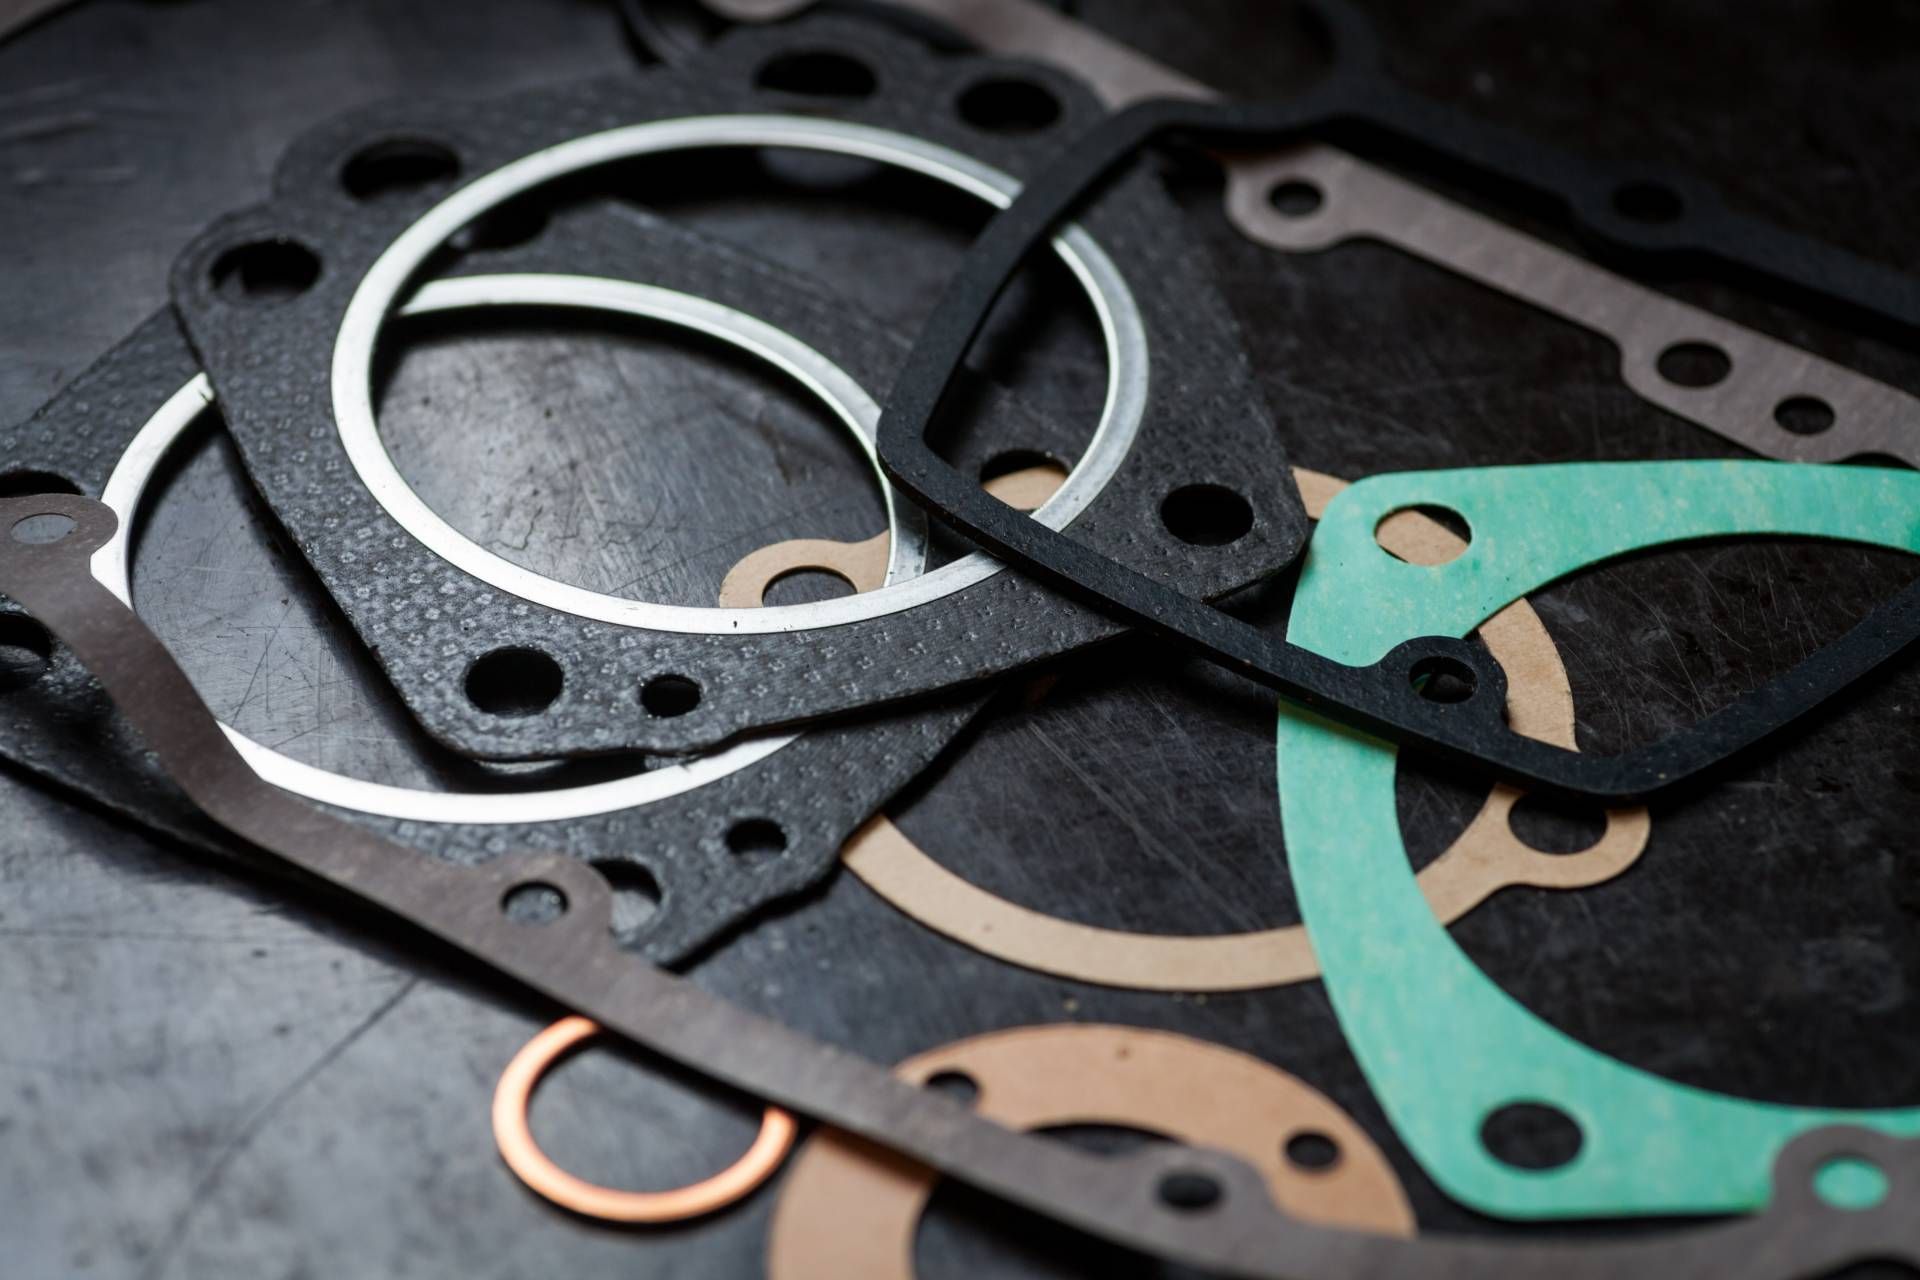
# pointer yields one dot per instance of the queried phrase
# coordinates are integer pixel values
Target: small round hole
(1850, 1182)
(1009, 105)
(24, 482)
(514, 682)
(1694, 364)
(1446, 517)
(1551, 825)
(636, 894)
(958, 1085)
(1803, 415)
(1206, 515)
(1531, 1135)
(818, 74)
(1312, 1151)
(265, 271)
(26, 651)
(514, 223)
(42, 530)
(534, 903)
(1440, 678)
(398, 165)
(1189, 1192)
(1296, 197)
(665, 697)
(1648, 202)
(756, 838)
(806, 586)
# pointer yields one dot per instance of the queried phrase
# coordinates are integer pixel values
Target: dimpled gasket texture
(428, 621)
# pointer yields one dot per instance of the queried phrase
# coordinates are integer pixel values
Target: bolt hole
(665, 697)
(514, 682)
(1007, 104)
(1550, 825)
(26, 651)
(806, 586)
(1312, 1151)
(1189, 1192)
(1803, 415)
(23, 482)
(533, 903)
(265, 271)
(958, 1085)
(42, 530)
(1389, 537)
(398, 165)
(1850, 1182)
(1442, 678)
(1694, 364)
(818, 74)
(756, 838)
(1296, 197)
(634, 891)
(1206, 515)
(513, 223)
(1648, 202)
(1531, 1135)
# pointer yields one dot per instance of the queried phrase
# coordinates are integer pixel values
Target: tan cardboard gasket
(1486, 857)
(849, 1210)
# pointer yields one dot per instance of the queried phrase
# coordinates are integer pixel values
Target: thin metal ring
(387, 279)
(513, 1134)
(126, 489)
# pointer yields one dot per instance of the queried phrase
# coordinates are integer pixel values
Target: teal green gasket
(1441, 1044)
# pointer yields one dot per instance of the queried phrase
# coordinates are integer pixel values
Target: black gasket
(566, 955)
(271, 365)
(817, 790)
(1381, 698)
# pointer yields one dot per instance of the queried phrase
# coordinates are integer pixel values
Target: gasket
(541, 920)
(1484, 859)
(1442, 1045)
(294, 382)
(846, 1210)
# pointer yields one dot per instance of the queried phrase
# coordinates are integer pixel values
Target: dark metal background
(201, 1078)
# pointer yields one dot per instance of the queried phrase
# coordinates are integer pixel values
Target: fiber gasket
(279, 374)
(1441, 1044)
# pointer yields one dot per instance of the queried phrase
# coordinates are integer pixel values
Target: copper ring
(514, 1135)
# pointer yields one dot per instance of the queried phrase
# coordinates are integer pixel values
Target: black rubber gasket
(1382, 698)
(270, 366)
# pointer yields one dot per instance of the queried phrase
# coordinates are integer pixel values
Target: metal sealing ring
(513, 1134)
(126, 488)
(1121, 327)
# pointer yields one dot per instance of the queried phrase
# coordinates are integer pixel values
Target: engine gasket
(1442, 1045)
(1136, 1200)
(281, 376)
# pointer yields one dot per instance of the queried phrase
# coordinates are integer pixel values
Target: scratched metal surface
(202, 1078)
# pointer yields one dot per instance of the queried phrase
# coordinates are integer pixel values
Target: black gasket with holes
(427, 621)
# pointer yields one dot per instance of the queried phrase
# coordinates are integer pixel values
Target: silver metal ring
(126, 489)
(386, 281)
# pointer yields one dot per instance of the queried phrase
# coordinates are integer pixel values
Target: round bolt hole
(1551, 825)
(1206, 515)
(514, 223)
(22, 482)
(265, 271)
(1850, 1182)
(1440, 678)
(1446, 517)
(818, 75)
(806, 586)
(1531, 1135)
(26, 651)
(534, 903)
(1296, 197)
(636, 894)
(398, 165)
(42, 530)
(1648, 202)
(958, 1085)
(1803, 415)
(514, 682)
(1009, 105)
(1189, 1192)
(1694, 364)
(665, 697)
(1312, 1151)
(756, 838)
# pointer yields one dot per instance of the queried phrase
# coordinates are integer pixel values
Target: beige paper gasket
(848, 1210)
(1486, 857)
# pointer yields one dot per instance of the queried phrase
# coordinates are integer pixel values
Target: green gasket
(1441, 1044)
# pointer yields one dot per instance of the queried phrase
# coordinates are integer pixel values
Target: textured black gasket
(271, 369)
(568, 957)
(1380, 698)
(818, 790)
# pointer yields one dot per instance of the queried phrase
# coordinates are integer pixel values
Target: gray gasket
(273, 371)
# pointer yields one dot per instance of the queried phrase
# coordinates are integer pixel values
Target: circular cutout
(665, 697)
(1393, 538)
(635, 892)
(958, 1085)
(804, 586)
(514, 682)
(1531, 1135)
(535, 902)
(24, 482)
(1189, 1192)
(1296, 197)
(1008, 104)
(42, 530)
(1206, 515)
(756, 838)
(395, 166)
(1651, 202)
(26, 651)
(1312, 1151)
(1850, 1182)
(1546, 824)
(265, 271)
(1803, 415)
(1442, 678)
(818, 74)
(1012, 460)
(1694, 364)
